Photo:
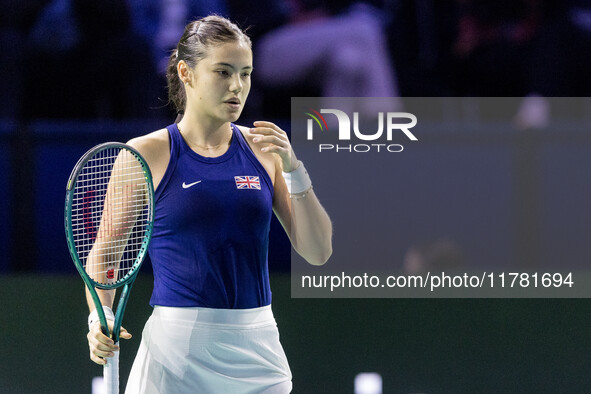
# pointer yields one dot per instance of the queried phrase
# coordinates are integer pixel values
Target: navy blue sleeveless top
(211, 229)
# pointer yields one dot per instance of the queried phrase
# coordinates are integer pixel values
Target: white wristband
(93, 317)
(298, 180)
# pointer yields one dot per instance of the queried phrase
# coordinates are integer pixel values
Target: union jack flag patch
(247, 182)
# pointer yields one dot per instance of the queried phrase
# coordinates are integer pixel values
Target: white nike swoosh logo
(188, 185)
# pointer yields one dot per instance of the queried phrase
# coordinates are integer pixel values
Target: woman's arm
(124, 199)
(115, 227)
(305, 221)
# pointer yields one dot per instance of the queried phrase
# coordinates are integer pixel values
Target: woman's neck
(205, 136)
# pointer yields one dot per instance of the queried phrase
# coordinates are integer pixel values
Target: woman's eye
(223, 73)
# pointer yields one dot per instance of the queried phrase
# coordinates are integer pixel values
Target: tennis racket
(108, 220)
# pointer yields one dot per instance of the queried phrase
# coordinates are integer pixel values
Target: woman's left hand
(274, 140)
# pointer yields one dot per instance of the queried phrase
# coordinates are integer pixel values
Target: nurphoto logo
(381, 139)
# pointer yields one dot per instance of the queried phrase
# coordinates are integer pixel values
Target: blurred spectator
(561, 60)
(332, 55)
(494, 45)
(533, 113)
(437, 256)
(16, 19)
(562, 54)
(421, 35)
(161, 22)
(83, 60)
(258, 23)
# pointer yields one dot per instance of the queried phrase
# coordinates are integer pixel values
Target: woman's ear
(184, 72)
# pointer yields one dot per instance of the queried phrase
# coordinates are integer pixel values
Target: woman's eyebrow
(231, 66)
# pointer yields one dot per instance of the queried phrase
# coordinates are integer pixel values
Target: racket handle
(111, 374)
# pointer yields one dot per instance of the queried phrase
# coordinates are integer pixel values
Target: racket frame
(128, 280)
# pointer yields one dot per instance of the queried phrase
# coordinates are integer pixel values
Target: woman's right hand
(101, 346)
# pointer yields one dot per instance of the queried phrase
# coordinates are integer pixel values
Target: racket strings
(110, 214)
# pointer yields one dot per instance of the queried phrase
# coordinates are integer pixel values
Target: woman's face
(221, 82)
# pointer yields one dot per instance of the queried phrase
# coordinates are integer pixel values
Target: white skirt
(203, 350)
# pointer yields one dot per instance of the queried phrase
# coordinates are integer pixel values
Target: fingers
(271, 134)
(124, 334)
(274, 140)
(100, 345)
(263, 123)
(275, 144)
(267, 128)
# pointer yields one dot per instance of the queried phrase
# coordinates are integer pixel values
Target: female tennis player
(212, 329)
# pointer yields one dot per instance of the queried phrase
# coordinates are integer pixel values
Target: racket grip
(111, 374)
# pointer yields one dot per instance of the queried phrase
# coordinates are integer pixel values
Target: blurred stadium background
(94, 76)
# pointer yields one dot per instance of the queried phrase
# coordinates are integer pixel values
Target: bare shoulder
(245, 132)
(268, 160)
(155, 148)
(152, 143)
